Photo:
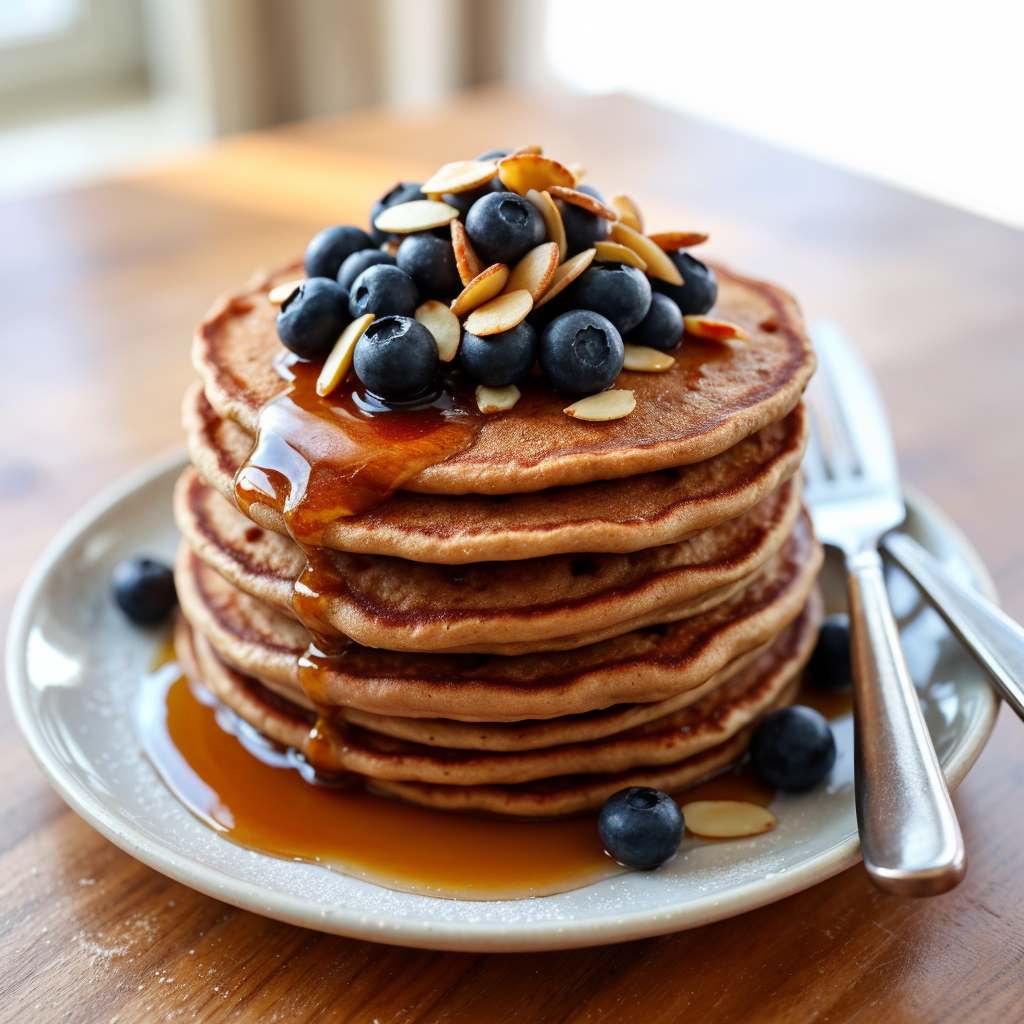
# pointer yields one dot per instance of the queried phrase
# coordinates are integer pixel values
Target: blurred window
(25, 20)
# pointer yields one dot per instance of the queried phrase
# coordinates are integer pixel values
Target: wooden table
(99, 291)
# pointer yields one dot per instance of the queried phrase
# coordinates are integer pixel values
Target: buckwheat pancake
(638, 667)
(621, 515)
(713, 396)
(547, 603)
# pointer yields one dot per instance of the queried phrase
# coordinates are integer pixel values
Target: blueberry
(144, 590)
(396, 358)
(383, 291)
(331, 247)
(494, 154)
(403, 192)
(582, 228)
(312, 318)
(355, 264)
(499, 359)
(640, 827)
(661, 328)
(430, 262)
(793, 748)
(616, 291)
(464, 201)
(580, 352)
(504, 227)
(829, 667)
(699, 290)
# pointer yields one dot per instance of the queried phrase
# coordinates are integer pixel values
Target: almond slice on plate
(417, 215)
(628, 212)
(673, 241)
(532, 148)
(481, 289)
(535, 271)
(443, 325)
(528, 171)
(470, 265)
(281, 293)
(460, 176)
(613, 252)
(496, 399)
(727, 819)
(500, 314)
(716, 330)
(567, 273)
(552, 220)
(339, 361)
(646, 360)
(605, 405)
(658, 263)
(584, 201)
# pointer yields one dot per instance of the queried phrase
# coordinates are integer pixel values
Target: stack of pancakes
(556, 611)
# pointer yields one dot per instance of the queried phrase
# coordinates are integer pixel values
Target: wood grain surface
(98, 293)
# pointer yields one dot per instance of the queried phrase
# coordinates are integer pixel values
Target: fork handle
(909, 835)
(988, 632)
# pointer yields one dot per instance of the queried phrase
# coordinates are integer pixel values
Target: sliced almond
(628, 212)
(500, 314)
(460, 176)
(481, 289)
(727, 819)
(532, 171)
(470, 265)
(613, 252)
(605, 405)
(339, 361)
(567, 273)
(532, 148)
(716, 330)
(584, 201)
(579, 172)
(280, 294)
(535, 271)
(658, 263)
(496, 399)
(646, 360)
(552, 219)
(391, 248)
(418, 215)
(443, 325)
(673, 241)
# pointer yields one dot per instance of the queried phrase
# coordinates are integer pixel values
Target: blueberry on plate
(494, 154)
(430, 262)
(661, 328)
(144, 590)
(582, 228)
(311, 319)
(580, 352)
(403, 192)
(699, 290)
(396, 358)
(616, 291)
(641, 827)
(383, 290)
(499, 359)
(504, 227)
(330, 248)
(355, 264)
(793, 748)
(829, 667)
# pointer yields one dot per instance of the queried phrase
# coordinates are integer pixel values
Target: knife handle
(985, 630)
(909, 835)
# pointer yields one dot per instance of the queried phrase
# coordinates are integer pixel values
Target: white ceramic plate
(73, 664)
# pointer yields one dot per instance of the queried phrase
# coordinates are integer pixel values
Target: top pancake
(715, 395)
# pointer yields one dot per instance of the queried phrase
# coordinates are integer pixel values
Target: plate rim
(481, 936)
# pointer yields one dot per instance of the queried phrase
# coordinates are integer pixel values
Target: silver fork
(910, 838)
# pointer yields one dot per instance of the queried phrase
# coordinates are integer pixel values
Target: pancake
(638, 667)
(714, 395)
(547, 603)
(610, 516)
